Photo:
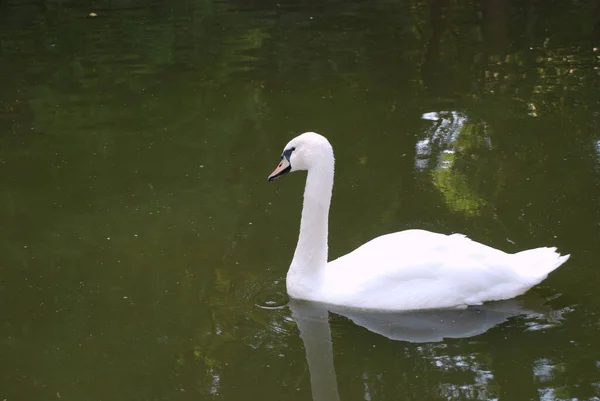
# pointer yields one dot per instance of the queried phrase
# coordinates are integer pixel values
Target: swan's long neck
(310, 257)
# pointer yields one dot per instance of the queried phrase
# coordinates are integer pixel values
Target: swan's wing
(418, 269)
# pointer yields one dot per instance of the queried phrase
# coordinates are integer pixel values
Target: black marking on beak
(284, 166)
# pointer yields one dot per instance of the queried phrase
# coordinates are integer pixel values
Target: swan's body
(406, 270)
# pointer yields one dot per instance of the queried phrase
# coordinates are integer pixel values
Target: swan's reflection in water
(414, 327)
(315, 332)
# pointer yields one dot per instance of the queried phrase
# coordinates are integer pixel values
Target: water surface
(143, 253)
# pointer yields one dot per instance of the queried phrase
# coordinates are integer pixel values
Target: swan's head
(302, 153)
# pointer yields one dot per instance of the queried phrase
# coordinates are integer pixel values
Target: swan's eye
(294, 148)
(288, 153)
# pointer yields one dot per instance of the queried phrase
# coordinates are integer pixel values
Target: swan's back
(417, 269)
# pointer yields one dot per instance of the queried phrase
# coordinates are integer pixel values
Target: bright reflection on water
(450, 135)
(143, 254)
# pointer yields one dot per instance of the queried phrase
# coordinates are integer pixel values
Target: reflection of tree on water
(450, 143)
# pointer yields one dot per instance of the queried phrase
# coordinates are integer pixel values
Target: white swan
(406, 270)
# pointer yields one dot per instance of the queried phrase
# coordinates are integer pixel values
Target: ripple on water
(266, 293)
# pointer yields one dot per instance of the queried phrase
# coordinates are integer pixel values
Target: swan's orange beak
(283, 168)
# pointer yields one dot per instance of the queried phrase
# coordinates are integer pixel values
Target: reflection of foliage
(455, 188)
(452, 149)
(454, 175)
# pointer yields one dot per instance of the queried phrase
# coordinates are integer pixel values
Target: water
(143, 253)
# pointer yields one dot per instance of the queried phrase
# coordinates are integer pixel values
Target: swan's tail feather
(538, 263)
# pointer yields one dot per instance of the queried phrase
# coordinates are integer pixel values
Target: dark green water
(140, 243)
